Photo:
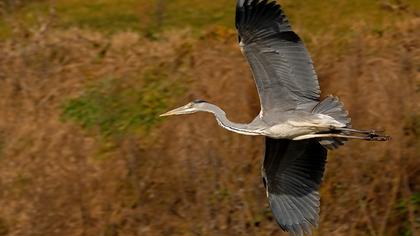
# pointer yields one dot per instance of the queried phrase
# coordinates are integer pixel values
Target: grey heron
(298, 126)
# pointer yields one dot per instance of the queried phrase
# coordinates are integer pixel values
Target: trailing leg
(350, 130)
(369, 137)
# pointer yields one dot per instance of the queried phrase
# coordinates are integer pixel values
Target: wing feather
(280, 63)
(293, 173)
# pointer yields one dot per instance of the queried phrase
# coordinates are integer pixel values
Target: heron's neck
(223, 121)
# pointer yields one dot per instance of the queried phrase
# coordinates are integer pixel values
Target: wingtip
(260, 13)
(295, 222)
(298, 229)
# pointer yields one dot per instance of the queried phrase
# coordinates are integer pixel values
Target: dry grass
(187, 176)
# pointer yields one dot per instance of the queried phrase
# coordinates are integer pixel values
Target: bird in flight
(298, 127)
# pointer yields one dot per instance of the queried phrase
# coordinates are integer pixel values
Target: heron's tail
(333, 107)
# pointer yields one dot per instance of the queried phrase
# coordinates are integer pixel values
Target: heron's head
(192, 107)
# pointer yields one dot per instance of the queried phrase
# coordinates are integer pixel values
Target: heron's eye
(198, 101)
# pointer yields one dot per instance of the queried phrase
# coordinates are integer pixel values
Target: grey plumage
(298, 126)
(293, 172)
(334, 108)
(277, 56)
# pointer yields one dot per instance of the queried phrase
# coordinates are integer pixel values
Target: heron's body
(294, 128)
(299, 127)
(290, 125)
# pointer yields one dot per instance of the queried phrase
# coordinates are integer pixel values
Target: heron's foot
(373, 136)
(375, 132)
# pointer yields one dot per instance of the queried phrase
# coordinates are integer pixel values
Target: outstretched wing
(280, 63)
(293, 172)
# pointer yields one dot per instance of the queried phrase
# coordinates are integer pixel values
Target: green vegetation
(5, 30)
(107, 16)
(120, 105)
(402, 209)
(338, 17)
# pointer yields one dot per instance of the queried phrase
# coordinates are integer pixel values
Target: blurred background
(83, 151)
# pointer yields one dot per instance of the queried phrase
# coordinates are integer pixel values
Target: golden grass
(187, 176)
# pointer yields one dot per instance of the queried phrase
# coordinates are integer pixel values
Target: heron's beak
(177, 111)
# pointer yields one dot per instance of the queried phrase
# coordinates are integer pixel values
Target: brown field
(66, 170)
